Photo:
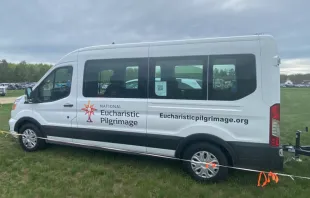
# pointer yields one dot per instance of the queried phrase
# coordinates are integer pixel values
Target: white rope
(167, 157)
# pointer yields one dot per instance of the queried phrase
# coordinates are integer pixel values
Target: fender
(23, 120)
(201, 137)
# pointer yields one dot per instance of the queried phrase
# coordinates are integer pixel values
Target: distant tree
(3, 70)
(21, 72)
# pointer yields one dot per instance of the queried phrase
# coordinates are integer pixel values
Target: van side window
(231, 77)
(178, 78)
(104, 80)
(132, 77)
(56, 85)
(224, 77)
(116, 78)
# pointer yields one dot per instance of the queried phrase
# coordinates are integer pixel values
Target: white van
(2, 90)
(225, 111)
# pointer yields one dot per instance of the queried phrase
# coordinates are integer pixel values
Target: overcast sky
(44, 31)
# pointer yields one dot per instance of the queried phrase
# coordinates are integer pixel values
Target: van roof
(72, 55)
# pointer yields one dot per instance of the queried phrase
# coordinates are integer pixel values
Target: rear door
(112, 103)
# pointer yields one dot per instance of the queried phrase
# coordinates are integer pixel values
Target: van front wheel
(29, 138)
(202, 163)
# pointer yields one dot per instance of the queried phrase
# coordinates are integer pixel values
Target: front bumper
(12, 123)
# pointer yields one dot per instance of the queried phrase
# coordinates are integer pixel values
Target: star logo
(89, 110)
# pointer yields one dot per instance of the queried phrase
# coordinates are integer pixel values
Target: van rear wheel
(203, 162)
(29, 138)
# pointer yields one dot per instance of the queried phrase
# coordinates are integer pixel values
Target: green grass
(14, 93)
(61, 171)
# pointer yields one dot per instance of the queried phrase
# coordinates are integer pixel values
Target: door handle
(68, 105)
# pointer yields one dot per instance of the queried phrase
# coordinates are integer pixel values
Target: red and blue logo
(89, 110)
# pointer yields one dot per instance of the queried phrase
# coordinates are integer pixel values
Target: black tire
(222, 173)
(40, 143)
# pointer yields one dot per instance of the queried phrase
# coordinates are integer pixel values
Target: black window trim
(149, 78)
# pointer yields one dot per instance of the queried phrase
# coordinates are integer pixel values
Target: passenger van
(211, 100)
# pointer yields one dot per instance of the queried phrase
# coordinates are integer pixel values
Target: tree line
(295, 78)
(21, 72)
(28, 72)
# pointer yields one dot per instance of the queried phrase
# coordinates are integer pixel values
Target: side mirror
(28, 91)
(28, 94)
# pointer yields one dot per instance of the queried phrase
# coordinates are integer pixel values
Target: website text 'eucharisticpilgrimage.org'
(202, 118)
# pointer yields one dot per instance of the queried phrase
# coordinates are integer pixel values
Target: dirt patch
(7, 100)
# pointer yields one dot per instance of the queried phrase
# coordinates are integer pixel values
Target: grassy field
(14, 93)
(61, 171)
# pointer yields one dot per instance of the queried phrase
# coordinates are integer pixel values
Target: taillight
(274, 138)
(14, 106)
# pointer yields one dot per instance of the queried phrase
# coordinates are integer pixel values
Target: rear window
(231, 77)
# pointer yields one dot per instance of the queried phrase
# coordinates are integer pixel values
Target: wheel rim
(29, 138)
(198, 163)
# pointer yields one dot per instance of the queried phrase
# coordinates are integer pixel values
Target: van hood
(20, 99)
